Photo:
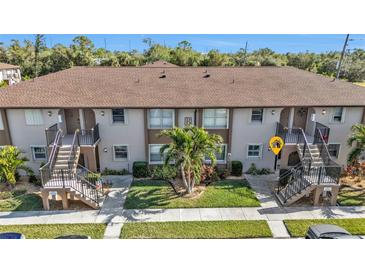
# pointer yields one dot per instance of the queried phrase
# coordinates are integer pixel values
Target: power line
(339, 64)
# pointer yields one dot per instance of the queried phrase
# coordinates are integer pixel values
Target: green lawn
(351, 197)
(17, 200)
(298, 228)
(196, 230)
(159, 194)
(95, 231)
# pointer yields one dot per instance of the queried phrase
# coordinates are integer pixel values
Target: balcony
(294, 135)
(87, 137)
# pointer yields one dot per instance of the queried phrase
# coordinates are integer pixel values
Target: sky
(223, 42)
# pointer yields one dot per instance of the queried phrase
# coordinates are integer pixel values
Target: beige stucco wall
(24, 136)
(339, 132)
(244, 132)
(131, 134)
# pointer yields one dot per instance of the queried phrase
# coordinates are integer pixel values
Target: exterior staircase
(62, 172)
(316, 168)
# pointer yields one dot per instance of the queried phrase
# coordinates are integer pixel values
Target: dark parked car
(73, 237)
(328, 232)
(11, 235)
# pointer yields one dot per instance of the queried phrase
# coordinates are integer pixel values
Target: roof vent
(163, 76)
(206, 76)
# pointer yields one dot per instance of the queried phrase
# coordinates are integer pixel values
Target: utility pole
(339, 64)
(245, 54)
(105, 43)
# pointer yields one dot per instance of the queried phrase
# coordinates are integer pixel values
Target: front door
(300, 117)
(72, 120)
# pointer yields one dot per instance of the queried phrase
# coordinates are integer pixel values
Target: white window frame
(215, 127)
(208, 161)
(125, 117)
(118, 159)
(32, 147)
(1, 122)
(161, 118)
(339, 149)
(260, 151)
(262, 117)
(33, 123)
(342, 117)
(149, 155)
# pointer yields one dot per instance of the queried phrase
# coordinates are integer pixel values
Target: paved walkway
(114, 215)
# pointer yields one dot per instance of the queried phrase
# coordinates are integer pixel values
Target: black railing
(89, 137)
(325, 132)
(51, 133)
(73, 152)
(45, 170)
(289, 135)
(68, 178)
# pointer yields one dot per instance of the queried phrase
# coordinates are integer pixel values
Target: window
(254, 151)
(120, 152)
(334, 150)
(161, 118)
(33, 117)
(155, 155)
(337, 114)
(221, 157)
(118, 115)
(39, 153)
(215, 118)
(1, 122)
(257, 115)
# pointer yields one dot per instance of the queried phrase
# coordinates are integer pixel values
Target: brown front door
(300, 117)
(72, 120)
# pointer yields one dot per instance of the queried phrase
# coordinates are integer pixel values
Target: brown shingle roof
(7, 66)
(160, 64)
(183, 87)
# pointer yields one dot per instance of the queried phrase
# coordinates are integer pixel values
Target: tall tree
(82, 51)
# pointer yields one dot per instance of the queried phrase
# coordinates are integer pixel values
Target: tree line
(36, 59)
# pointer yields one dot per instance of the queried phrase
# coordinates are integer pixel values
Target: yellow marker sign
(276, 144)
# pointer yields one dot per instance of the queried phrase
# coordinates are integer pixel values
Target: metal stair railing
(74, 148)
(46, 170)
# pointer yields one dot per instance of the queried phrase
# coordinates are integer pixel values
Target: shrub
(93, 177)
(108, 171)
(34, 180)
(208, 173)
(253, 170)
(237, 168)
(222, 173)
(140, 169)
(163, 172)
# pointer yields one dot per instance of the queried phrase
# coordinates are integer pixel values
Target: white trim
(227, 118)
(342, 117)
(149, 155)
(257, 122)
(1, 122)
(220, 161)
(260, 151)
(119, 123)
(31, 119)
(120, 160)
(149, 114)
(33, 154)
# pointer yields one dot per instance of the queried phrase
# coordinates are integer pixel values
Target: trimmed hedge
(140, 169)
(237, 168)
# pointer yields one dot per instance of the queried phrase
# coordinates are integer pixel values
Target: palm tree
(188, 148)
(10, 162)
(358, 137)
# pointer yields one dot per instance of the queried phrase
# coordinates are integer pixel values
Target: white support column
(291, 119)
(82, 118)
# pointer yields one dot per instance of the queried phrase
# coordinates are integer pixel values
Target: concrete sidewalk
(113, 214)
